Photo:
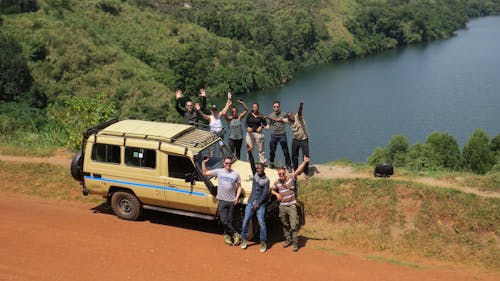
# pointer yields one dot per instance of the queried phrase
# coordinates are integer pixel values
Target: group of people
(229, 190)
(255, 123)
(229, 181)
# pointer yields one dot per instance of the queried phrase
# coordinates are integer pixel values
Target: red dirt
(45, 239)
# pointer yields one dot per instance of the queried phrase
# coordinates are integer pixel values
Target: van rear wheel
(126, 205)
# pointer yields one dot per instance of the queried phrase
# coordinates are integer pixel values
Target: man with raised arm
(285, 191)
(256, 203)
(189, 113)
(228, 192)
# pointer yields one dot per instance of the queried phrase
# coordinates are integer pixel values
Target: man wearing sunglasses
(228, 192)
(189, 113)
(284, 190)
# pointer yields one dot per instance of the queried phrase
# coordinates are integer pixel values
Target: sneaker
(236, 239)
(295, 247)
(263, 247)
(271, 165)
(287, 243)
(289, 169)
(243, 243)
(227, 240)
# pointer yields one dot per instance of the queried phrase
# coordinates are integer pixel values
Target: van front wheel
(126, 205)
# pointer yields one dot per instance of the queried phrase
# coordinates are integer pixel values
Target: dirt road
(44, 239)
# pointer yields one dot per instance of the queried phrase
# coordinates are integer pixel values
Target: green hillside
(66, 64)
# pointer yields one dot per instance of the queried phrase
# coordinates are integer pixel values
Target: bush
(378, 156)
(397, 145)
(15, 77)
(477, 155)
(444, 150)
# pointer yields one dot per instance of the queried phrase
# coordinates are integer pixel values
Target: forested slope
(66, 64)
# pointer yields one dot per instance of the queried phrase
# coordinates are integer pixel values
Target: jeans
(226, 216)
(290, 221)
(281, 139)
(261, 212)
(235, 147)
(304, 146)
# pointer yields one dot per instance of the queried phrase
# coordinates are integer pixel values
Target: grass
(394, 261)
(405, 218)
(42, 180)
(9, 149)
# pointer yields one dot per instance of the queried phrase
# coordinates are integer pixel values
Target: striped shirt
(287, 191)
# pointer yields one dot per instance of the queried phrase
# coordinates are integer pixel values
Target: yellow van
(139, 165)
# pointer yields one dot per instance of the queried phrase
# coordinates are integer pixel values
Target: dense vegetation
(441, 152)
(67, 64)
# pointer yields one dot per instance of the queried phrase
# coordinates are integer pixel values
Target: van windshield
(216, 154)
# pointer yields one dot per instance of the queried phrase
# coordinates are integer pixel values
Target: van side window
(109, 153)
(140, 157)
(179, 166)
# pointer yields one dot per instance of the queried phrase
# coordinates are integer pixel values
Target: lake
(354, 106)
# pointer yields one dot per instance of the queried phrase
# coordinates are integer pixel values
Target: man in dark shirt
(255, 123)
(190, 114)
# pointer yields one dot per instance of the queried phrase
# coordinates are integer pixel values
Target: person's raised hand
(306, 158)
(229, 95)
(178, 94)
(202, 92)
(197, 106)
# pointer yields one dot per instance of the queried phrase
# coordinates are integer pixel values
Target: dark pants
(304, 146)
(235, 146)
(226, 216)
(281, 139)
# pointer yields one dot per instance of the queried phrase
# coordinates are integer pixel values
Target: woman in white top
(215, 122)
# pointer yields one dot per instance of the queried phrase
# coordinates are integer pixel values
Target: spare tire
(77, 166)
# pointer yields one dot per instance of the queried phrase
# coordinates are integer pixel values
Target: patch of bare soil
(44, 239)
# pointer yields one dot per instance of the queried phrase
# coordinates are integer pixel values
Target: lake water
(352, 107)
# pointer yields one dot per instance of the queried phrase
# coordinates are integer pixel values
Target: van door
(182, 193)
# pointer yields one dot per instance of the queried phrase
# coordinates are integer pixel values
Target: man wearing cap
(189, 113)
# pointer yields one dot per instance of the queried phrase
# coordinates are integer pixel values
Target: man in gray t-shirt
(278, 135)
(228, 192)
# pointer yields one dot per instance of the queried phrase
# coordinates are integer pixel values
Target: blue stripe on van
(172, 189)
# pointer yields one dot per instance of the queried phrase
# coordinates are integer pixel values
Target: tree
(378, 156)
(444, 150)
(477, 155)
(15, 77)
(397, 147)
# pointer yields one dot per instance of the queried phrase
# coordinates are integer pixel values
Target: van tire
(126, 205)
(77, 166)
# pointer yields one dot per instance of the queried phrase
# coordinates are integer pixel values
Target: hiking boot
(243, 243)
(287, 243)
(295, 247)
(236, 239)
(263, 247)
(227, 240)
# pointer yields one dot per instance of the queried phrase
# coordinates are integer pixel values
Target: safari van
(139, 165)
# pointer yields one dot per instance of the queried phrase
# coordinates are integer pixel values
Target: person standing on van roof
(255, 123)
(285, 191)
(214, 120)
(256, 204)
(278, 135)
(228, 192)
(189, 113)
(300, 137)
(234, 121)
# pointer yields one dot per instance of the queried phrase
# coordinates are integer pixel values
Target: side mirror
(190, 177)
